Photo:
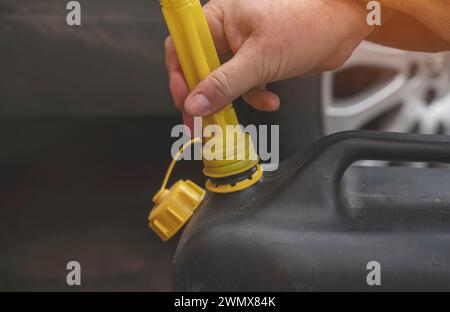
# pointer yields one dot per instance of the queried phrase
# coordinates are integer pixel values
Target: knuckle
(212, 11)
(222, 83)
(271, 65)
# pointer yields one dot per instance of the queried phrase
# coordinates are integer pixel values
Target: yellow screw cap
(173, 208)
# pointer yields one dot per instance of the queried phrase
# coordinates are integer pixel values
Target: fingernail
(198, 105)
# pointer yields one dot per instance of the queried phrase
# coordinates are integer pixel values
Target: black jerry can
(320, 223)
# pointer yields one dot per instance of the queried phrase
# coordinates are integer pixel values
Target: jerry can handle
(345, 148)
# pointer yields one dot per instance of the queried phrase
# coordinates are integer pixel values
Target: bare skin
(263, 41)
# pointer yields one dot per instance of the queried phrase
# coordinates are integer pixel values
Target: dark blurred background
(85, 120)
(105, 66)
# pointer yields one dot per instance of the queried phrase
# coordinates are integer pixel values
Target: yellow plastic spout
(198, 57)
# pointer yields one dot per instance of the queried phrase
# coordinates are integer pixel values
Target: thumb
(225, 84)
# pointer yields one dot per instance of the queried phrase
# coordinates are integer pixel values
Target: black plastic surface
(314, 225)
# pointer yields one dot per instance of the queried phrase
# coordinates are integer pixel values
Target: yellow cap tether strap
(175, 206)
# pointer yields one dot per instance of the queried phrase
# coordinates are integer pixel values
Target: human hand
(263, 41)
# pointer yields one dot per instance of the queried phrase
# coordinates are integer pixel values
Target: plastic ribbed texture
(174, 207)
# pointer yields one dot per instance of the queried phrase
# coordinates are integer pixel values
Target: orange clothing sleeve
(421, 25)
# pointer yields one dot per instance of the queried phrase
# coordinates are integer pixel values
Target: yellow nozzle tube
(198, 57)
